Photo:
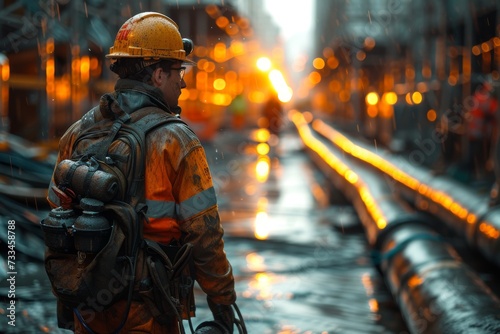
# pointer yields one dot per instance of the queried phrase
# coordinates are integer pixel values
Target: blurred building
(393, 70)
(53, 67)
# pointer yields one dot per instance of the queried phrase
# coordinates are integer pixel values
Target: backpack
(96, 253)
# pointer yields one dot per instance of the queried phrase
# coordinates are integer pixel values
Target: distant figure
(238, 110)
(481, 130)
(273, 114)
(451, 128)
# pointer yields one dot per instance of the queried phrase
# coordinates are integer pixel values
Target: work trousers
(139, 320)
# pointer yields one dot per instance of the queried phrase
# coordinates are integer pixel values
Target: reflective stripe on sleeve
(186, 209)
(196, 204)
(160, 209)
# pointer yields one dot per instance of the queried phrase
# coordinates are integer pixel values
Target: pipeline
(426, 277)
(463, 210)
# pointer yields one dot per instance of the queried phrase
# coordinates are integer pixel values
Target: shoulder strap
(135, 132)
(130, 127)
(103, 147)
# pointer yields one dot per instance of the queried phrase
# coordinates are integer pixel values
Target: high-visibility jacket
(179, 192)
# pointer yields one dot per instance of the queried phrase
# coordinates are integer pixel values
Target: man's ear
(157, 77)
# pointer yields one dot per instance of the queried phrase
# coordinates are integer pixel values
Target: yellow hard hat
(150, 36)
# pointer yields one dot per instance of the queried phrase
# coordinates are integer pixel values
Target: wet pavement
(300, 259)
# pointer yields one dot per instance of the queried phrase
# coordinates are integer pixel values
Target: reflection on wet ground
(289, 288)
(295, 272)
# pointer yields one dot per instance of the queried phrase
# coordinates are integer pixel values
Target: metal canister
(91, 229)
(102, 185)
(58, 230)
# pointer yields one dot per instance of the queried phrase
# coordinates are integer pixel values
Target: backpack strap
(148, 119)
(132, 128)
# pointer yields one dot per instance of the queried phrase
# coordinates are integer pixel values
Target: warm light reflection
(237, 48)
(264, 64)
(280, 85)
(262, 168)
(222, 22)
(471, 218)
(338, 165)
(360, 55)
(344, 95)
(262, 148)
(261, 225)
(431, 115)
(416, 97)
(261, 135)
(262, 285)
(437, 196)
(370, 43)
(372, 111)
(318, 63)
(219, 84)
(85, 69)
(333, 63)
(415, 281)
(212, 10)
(367, 284)
(314, 78)
(373, 305)
(285, 94)
(255, 262)
(307, 116)
(256, 96)
(5, 71)
(408, 99)
(489, 230)
(371, 98)
(219, 52)
(232, 29)
(221, 99)
(63, 90)
(422, 87)
(201, 80)
(390, 98)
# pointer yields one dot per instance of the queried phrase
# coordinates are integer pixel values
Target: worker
(150, 57)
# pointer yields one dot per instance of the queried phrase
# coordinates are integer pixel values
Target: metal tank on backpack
(67, 232)
(68, 229)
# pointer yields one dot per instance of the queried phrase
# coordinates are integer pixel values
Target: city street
(301, 264)
(354, 148)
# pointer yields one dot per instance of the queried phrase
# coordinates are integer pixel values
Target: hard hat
(152, 37)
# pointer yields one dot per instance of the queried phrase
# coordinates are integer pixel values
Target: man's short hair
(138, 69)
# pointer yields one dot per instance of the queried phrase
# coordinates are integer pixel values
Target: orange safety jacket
(179, 192)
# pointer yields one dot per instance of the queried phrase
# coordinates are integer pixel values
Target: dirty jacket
(179, 192)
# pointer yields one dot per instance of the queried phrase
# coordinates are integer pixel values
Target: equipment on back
(95, 252)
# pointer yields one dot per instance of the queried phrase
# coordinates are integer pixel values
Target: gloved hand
(223, 314)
